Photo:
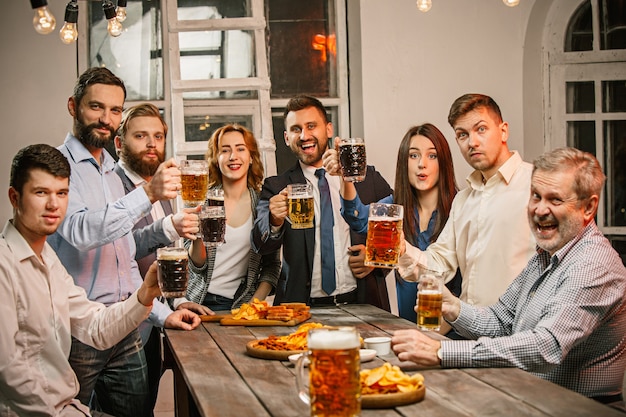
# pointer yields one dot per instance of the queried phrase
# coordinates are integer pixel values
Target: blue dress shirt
(95, 241)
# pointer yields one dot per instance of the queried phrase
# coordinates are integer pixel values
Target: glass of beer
(215, 197)
(352, 159)
(384, 229)
(429, 299)
(172, 271)
(212, 225)
(301, 211)
(334, 387)
(194, 181)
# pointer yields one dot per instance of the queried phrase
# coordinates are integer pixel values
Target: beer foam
(172, 254)
(333, 339)
(430, 292)
(383, 219)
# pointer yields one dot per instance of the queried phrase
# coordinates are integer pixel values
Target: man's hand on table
(182, 319)
(196, 308)
(413, 345)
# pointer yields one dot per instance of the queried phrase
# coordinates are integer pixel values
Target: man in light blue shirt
(95, 242)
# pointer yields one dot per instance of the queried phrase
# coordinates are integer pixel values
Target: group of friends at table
(531, 281)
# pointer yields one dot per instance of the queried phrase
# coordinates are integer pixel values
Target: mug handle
(303, 388)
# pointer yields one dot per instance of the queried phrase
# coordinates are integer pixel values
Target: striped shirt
(562, 319)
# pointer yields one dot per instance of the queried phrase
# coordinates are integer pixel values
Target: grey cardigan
(260, 268)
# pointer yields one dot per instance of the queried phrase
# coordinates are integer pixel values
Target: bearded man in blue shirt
(95, 243)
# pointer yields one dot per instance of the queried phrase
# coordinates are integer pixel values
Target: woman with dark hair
(224, 277)
(425, 187)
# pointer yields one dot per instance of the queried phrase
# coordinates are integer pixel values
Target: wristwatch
(440, 355)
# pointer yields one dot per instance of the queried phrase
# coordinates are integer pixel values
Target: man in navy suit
(140, 145)
(307, 133)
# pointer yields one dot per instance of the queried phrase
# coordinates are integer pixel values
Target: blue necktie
(326, 234)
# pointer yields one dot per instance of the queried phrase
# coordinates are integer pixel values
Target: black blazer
(294, 284)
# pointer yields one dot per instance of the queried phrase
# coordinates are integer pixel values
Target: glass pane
(615, 170)
(580, 97)
(614, 96)
(212, 95)
(136, 56)
(582, 135)
(302, 48)
(216, 54)
(579, 35)
(212, 9)
(612, 24)
(200, 128)
(619, 243)
(284, 157)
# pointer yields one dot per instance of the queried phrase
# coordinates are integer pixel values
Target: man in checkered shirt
(563, 318)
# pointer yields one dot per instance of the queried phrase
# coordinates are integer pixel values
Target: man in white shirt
(487, 234)
(42, 308)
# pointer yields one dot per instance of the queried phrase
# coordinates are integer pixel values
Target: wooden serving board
(214, 318)
(229, 321)
(395, 399)
(280, 355)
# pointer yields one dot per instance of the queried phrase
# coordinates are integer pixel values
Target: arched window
(586, 59)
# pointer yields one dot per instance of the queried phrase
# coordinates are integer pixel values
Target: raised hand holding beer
(165, 183)
(194, 181)
(172, 271)
(429, 299)
(353, 159)
(384, 235)
(279, 208)
(301, 206)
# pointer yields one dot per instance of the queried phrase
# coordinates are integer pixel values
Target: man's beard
(88, 137)
(135, 162)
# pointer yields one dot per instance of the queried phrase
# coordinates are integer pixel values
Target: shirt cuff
(169, 229)
(178, 301)
(408, 263)
(457, 353)
(275, 231)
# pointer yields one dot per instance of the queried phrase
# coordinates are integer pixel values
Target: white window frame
(561, 67)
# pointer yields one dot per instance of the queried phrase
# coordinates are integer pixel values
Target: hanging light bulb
(511, 3)
(43, 20)
(121, 10)
(68, 32)
(424, 5)
(114, 26)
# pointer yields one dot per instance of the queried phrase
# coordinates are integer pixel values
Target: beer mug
(352, 158)
(194, 181)
(215, 197)
(172, 271)
(212, 225)
(301, 208)
(384, 229)
(429, 299)
(334, 387)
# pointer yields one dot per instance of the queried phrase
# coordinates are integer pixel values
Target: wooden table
(213, 374)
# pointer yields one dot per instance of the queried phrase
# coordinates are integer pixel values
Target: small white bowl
(382, 345)
(366, 355)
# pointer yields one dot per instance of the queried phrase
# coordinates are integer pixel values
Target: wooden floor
(165, 401)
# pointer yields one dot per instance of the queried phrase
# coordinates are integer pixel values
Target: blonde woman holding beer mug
(228, 275)
(424, 186)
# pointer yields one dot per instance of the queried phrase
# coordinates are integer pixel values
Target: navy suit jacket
(148, 234)
(298, 245)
